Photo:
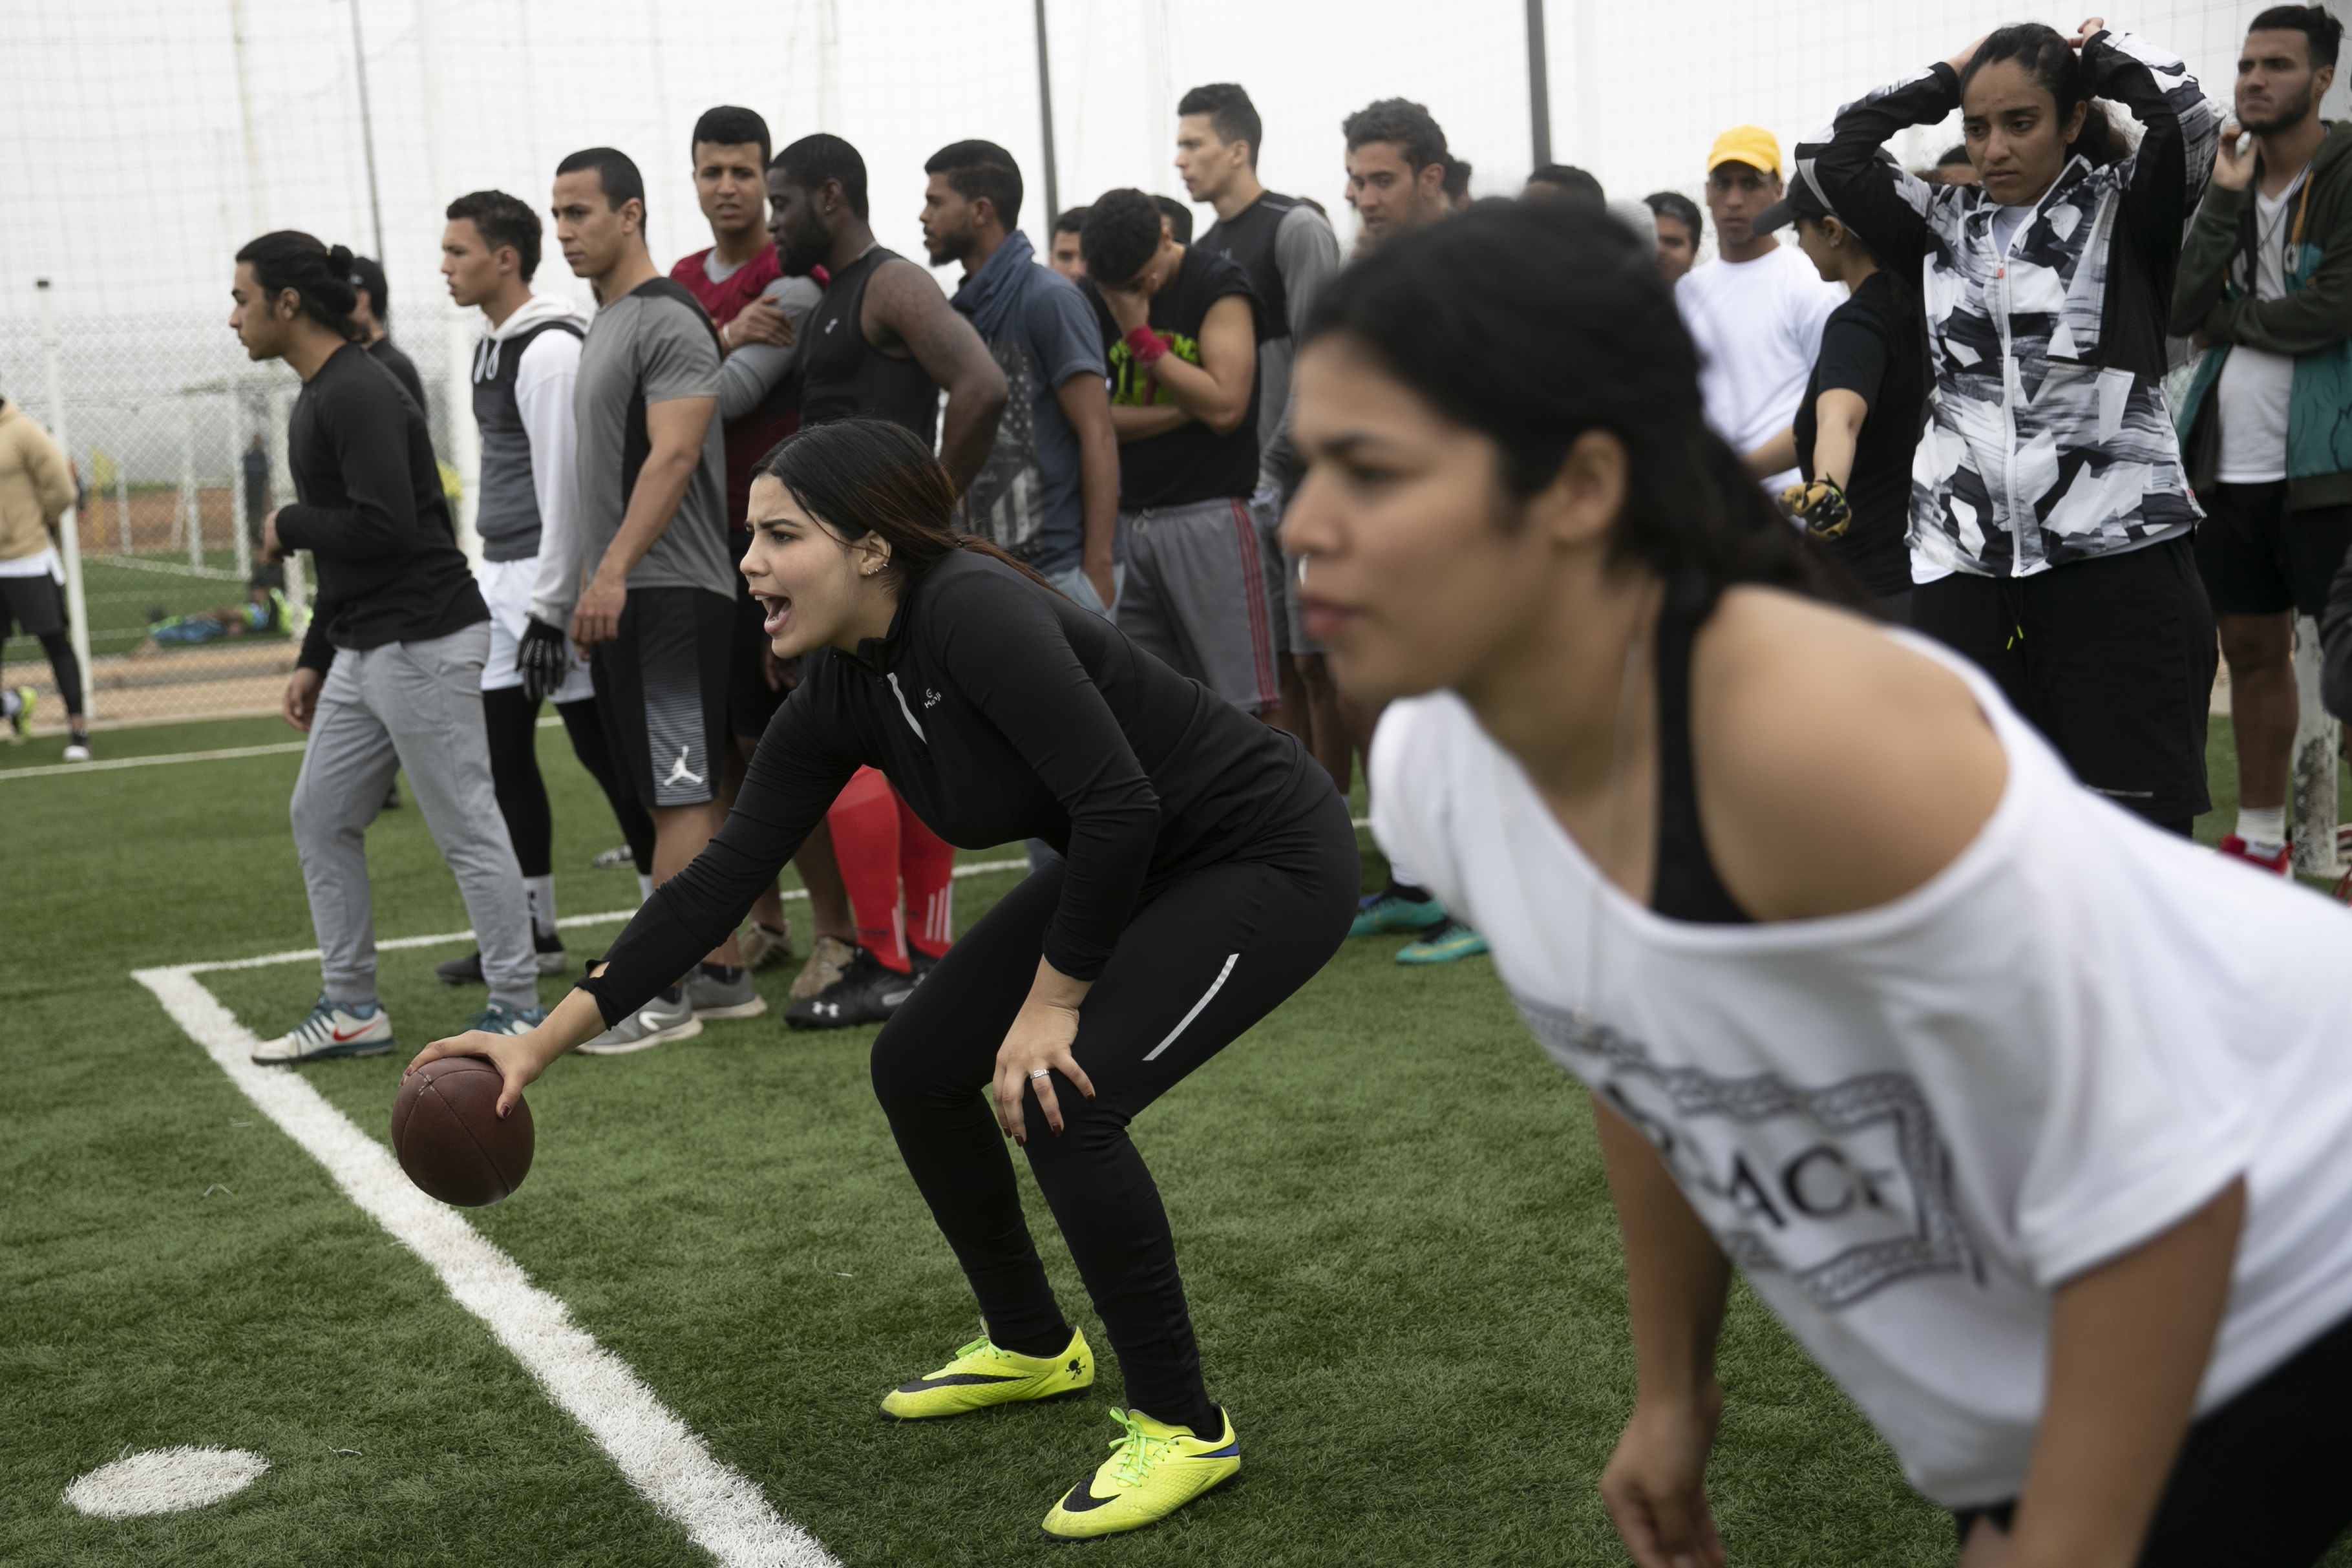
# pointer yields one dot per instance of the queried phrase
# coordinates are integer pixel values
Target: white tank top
(1908, 1124)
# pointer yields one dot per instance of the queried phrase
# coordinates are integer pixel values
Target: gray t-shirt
(651, 345)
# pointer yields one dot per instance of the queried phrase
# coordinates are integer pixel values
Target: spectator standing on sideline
(1858, 422)
(390, 675)
(1397, 170)
(373, 314)
(36, 486)
(758, 312)
(882, 343)
(1756, 310)
(1180, 330)
(524, 371)
(2050, 513)
(1064, 257)
(2262, 425)
(1289, 252)
(255, 464)
(1675, 217)
(1049, 495)
(656, 609)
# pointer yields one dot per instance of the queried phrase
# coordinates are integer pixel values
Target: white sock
(645, 887)
(2262, 827)
(539, 892)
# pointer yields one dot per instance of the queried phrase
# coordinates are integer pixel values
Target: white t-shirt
(1909, 1124)
(2255, 387)
(2006, 222)
(1757, 325)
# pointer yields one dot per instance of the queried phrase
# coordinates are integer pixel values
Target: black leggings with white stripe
(1211, 954)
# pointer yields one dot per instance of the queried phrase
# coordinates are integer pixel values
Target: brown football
(447, 1131)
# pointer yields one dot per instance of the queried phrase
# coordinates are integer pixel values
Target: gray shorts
(1195, 596)
(1281, 576)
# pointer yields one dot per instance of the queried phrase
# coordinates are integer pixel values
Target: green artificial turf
(118, 596)
(1389, 1208)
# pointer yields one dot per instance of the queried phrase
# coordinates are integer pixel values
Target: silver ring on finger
(1042, 1072)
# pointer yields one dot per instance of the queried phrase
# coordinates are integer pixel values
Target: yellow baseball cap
(1749, 144)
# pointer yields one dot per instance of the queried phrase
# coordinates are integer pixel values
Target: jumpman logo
(679, 773)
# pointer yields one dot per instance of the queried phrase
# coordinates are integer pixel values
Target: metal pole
(255, 201)
(1154, 95)
(1045, 115)
(462, 442)
(1538, 84)
(238, 543)
(70, 525)
(367, 136)
(121, 510)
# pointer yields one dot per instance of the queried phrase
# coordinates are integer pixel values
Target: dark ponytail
(1534, 323)
(2043, 54)
(858, 477)
(321, 275)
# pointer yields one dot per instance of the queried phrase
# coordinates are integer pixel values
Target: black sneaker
(867, 992)
(467, 970)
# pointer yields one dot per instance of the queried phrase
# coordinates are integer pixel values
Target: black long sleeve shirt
(1002, 711)
(368, 508)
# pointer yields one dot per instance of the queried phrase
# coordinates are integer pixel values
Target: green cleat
(982, 1376)
(1446, 942)
(1152, 1471)
(1384, 911)
(20, 722)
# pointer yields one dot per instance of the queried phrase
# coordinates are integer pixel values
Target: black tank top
(844, 375)
(1686, 887)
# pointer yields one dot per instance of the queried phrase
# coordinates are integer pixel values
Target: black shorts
(34, 605)
(661, 693)
(2260, 1482)
(2111, 658)
(2259, 559)
(750, 702)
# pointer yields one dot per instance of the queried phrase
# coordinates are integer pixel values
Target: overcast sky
(137, 169)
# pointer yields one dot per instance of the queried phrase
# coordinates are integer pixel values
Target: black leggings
(1213, 953)
(2265, 1482)
(512, 721)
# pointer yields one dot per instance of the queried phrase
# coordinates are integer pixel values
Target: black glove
(543, 658)
(1820, 506)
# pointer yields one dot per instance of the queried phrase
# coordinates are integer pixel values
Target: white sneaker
(333, 1029)
(77, 751)
(668, 1016)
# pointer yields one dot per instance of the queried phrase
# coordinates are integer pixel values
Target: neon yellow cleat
(1152, 1471)
(982, 1376)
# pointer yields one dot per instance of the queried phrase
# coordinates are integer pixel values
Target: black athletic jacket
(369, 508)
(1002, 711)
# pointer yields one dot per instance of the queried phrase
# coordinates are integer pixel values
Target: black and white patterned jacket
(2047, 439)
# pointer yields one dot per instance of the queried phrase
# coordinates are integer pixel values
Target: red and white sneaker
(2235, 848)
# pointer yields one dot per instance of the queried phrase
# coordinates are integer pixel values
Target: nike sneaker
(1442, 943)
(868, 993)
(1384, 911)
(1152, 1471)
(723, 990)
(467, 970)
(497, 1018)
(765, 946)
(2276, 863)
(668, 1016)
(828, 959)
(982, 1374)
(333, 1029)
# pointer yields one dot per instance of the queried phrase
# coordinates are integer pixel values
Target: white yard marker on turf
(165, 1480)
(721, 1509)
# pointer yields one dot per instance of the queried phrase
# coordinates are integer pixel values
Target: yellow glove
(1820, 506)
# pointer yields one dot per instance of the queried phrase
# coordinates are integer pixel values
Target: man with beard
(882, 343)
(1397, 168)
(2262, 279)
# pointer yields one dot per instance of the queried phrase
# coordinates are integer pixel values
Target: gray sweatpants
(415, 706)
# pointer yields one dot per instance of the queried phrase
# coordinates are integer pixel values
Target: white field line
(110, 763)
(722, 1511)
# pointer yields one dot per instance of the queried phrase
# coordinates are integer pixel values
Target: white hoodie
(544, 398)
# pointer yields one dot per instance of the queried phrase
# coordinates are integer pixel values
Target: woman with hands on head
(1209, 870)
(2020, 1115)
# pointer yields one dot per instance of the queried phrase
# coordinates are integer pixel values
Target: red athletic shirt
(748, 438)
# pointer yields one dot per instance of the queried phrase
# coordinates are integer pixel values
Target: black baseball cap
(368, 273)
(1803, 198)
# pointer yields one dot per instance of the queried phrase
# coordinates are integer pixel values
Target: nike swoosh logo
(339, 1037)
(954, 1379)
(1082, 1499)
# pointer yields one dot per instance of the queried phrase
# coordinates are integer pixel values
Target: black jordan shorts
(661, 693)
